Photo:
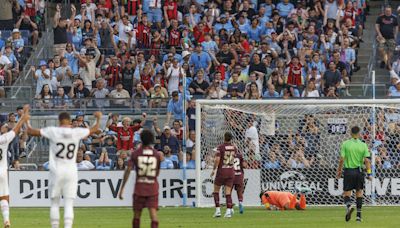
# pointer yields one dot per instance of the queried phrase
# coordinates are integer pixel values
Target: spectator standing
(175, 107)
(113, 72)
(25, 23)
(331, 78)
(174, 74)
(87, 70)
(125, 134)
(41, 75)
(60, 27)
(64, 75)
(200, 60)
(6, 15)
(386, 28)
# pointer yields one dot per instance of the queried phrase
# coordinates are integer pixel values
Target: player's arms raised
(24, 118)
(96, 126)
(125, 179)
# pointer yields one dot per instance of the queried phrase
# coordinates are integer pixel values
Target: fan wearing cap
(168, 139)
(17, 41)
(41, 75)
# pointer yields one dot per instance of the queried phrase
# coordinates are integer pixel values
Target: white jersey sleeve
(81, 132)
(6, 138)
(47, 132)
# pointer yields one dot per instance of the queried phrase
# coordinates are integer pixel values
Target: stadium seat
(111, 150)
(5, 34)
(98, 150)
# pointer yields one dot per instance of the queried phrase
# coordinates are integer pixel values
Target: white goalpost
(297, 145)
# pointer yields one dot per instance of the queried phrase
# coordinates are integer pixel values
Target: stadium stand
(130, 57)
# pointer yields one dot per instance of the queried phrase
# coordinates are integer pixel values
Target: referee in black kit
(353, 155)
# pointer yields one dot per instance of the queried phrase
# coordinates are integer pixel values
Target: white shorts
(4, 184)
(65, 184)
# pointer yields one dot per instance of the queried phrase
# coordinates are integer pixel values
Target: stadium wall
(100, 188)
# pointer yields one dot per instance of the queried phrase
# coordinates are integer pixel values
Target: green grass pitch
(323, 217)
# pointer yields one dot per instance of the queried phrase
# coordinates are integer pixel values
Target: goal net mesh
(287, 146)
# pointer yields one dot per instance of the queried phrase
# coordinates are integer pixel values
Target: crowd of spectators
(21, 22)
(141, 51)
(111, 148)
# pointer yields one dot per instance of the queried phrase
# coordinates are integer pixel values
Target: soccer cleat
(228, 214)
(358, 219)
(348, 214)
(241, 208)
(303, 190)
(217, 214)
(7, 224)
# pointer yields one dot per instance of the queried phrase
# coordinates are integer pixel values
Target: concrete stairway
(364, 54)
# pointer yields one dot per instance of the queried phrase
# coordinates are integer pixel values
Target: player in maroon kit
(146, 161)
(223, 163)
(238, 181)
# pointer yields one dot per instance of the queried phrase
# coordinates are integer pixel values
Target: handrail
(371, 65)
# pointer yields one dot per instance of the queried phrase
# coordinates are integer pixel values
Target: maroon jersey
(238, 164)
(146, 161)
(226, 152)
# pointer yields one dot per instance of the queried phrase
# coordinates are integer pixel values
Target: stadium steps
(365, 52)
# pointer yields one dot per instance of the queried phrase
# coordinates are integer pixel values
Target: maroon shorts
(238, 182)
(140, 202)
(225, 181)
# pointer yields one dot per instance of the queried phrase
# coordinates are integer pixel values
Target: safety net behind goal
(291, 145)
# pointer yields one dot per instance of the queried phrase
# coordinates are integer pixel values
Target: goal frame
(201, 102)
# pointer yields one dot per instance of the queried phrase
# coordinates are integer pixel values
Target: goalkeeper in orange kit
(282, 200)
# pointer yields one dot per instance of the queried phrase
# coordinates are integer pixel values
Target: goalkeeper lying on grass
(283, 200)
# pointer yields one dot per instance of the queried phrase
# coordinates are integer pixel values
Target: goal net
(296, 143)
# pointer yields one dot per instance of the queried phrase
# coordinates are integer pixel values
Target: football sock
(136, 223)
(303, 202)
(55, 213)
(5, 210)
(154, 224)
(228, 201)
(216, 198)
(359, 202)
(68, 212)
(292, 203)
(347, 201)
(240, 195)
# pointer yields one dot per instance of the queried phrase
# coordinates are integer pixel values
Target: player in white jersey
(5, 139)
(64, 144)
